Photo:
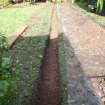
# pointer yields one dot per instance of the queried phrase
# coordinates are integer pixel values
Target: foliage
(73, 1)
(4, 3)
(100, 5)
(6, 72)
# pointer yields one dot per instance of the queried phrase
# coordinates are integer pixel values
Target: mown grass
(12, 18)
(29, 51)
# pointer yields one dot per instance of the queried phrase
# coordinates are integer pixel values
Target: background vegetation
(97, 6)
(4, 3)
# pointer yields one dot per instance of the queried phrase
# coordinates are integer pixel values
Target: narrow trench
(49, 89)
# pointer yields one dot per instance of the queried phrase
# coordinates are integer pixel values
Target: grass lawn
(96, 17)
(29, 51)
(12, 18)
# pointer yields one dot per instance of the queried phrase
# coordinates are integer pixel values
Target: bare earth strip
(85, 57)
(49, 92)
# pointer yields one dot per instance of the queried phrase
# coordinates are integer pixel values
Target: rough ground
(49, 84)
(85, 57)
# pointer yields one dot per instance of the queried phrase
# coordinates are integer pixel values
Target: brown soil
(48, 92)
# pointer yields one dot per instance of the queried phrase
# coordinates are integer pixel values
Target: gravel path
(85, 57)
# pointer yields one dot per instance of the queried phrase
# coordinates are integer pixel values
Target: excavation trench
(48, 90)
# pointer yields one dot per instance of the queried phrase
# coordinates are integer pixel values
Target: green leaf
(100, 5)
(3, 87)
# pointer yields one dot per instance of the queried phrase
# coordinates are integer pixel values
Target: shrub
(6, 73)
(4, 3)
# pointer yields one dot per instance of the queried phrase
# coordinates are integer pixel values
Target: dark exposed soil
(49, 91)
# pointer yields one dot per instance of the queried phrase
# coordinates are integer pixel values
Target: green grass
(99, 19)
(12, 18)
(63, 70)
(29, 51)
(83, 6)
(62, 66)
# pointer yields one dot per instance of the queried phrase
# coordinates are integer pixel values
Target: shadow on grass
(29, 53)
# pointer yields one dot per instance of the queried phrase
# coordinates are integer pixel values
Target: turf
(29, 51)
(12, 18)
